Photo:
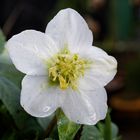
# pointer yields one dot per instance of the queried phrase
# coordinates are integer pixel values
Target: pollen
(66, 68)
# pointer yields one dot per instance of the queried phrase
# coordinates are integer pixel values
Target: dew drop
(78, 121)
(46, 108)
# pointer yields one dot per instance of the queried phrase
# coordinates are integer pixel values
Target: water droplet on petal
(78, 121)
(46, 108)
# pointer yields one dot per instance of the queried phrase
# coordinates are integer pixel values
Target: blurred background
(116, 28)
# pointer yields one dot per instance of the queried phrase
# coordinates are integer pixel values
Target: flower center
(65, 69)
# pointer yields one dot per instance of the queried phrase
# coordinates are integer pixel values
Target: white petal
(86, 107)
(103, 69)
(28, 51)
(69, 28)
(37, 98)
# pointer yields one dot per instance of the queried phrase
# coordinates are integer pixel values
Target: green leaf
(91, 133)
(66, 129)
(49, 124)
(44, 122)
(6, 123)
(101, 127)
(102, 131)
(2, 41)
(10, 96)
(11, 73)
(107, 129)
(4, 57)
(115, 130)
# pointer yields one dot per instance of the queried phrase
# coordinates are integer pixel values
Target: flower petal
(86, 107)
(103, 69)
(68, 28)
(37, 98)
(28, 51)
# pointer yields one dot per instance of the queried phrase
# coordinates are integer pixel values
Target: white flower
(63, 69)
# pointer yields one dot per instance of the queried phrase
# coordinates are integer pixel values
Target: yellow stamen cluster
(65, 68)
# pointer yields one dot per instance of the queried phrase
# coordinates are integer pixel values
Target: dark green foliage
(2, 41)
(103, 131)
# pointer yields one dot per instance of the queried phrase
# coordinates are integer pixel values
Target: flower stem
(50, 127)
